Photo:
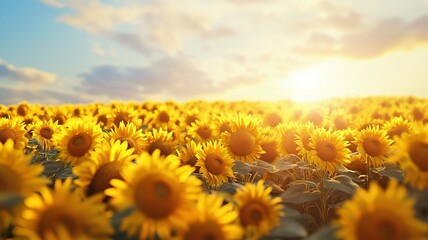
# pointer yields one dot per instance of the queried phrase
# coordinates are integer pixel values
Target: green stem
(323, 199)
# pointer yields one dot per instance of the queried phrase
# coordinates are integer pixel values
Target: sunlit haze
(76, 51)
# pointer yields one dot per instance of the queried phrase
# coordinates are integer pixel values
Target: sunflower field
(353, 169)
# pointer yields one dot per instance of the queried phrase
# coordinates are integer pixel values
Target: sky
(81, 51)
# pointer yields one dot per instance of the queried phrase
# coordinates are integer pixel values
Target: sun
(304, 85)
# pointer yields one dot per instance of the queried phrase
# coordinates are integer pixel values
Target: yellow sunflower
(411, 153)
(16, 173)
(44, 132)
(161, 117)
(78, 140)
(258, 212)
(122, 113)
(373, 144)
(215, 163)
(160, 139)
(269, 144)
(63, 214)
(329, 150)
(303, 137)
(201, 131)
(340, 119)
(106, 163)
(58, 115)
(187, 153)
(397, 126)
(272, 118)
(350, 137)
(13, 128)
(287, 133)
(161, 191)
(212, 220)
(222, 123)
(243, 141)
(128, 133)
(379, 215)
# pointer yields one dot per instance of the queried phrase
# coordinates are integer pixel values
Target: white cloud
(25, 75)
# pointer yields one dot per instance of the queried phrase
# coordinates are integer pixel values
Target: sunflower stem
(369, 175)
(323, 201)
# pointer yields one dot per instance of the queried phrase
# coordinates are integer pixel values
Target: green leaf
(52, 167)
(230, 187)
(391, 171)
(9, 200)
(297, 193)
(325, 233)
(262, 167)
(288, 228)
(241, 167)
(341, 183)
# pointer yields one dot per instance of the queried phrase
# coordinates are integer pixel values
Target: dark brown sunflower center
(102, 119)
(157, 195)
(10, 182)
(120, 117)
(209, 230)
(131, 143)
(326, 151)
(101, 179)
(372, 146)
(165, 150)
(397, 131)
(271, 153)
(242, 142)
(225, 127)
(46, 132)
(54, 217)
(79, 144)
(190, 119)
(418, 151)
(214, 164)
(288, 143)
(60, 118)
(204, 132)
(163, 117)
(253, 213)
(7, 133)
(340, 123)
(192, 161)
(380, 226)
(273, 119)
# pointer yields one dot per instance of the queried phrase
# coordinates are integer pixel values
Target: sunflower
(215, 163)
(106, 163)
(397, 126)
(16, 173)
(78, 139)
(128, 133)
(13, 128)
(160, 139)
(411, 153)
(373, 144)
(187, 153)
(272, 119)
(258, 212)
(161, 117)
(201, 131)
(63, 214)
(303, 137)
(123, 113)
(329, 149)
(339, 119)
(58, 116)
(287, 138)
(379, 215)
(161, 192)
(212, 220)
(350, 134)
(44, 131)
(243, 140)
(269, 144)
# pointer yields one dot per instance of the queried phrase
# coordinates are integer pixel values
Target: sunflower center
(56, 216)
(79, 144)
(60, 118)
(225, 127)
(102, 119)
(163, 116)
(253, 213)
(372, 146)
(273, 119)
(131, 143)
(190, 119)
(242, 142)
(380, 225)
(305, 142)
(9, 180)
(46, 132)
(7, 133)
(165, 150)
(340, 123)
(418, 151)
(204, 132)
(192, 161)
(101, 179)
(120, 117)
(288, 142)
(326, 151)
(209, 230)
(157, 195)
(271, 153)
(397, 131)
(214, 164)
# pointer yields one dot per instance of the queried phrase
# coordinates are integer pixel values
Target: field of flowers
(354, 169)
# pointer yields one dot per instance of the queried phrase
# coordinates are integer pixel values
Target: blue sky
(76, 51)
